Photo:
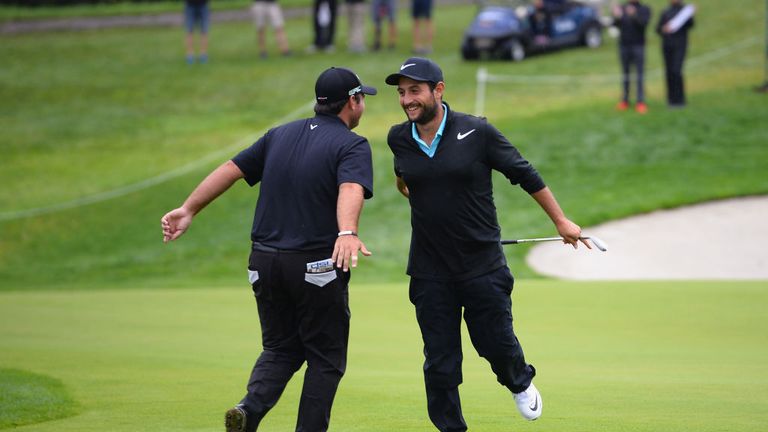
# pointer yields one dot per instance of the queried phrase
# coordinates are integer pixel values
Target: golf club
(595, 241)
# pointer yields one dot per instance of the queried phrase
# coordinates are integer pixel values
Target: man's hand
(345, 251)
(175, 223)
(571, 233)
(402, 187)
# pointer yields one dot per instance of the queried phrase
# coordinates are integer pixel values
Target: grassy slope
(95, 111)
(619, 357)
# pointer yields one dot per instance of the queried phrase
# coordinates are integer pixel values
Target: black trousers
(674, 55)
(324, 22)
(632, 55)
(304, 317)
(487, 308)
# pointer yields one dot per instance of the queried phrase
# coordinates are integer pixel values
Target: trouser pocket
(253, 276)
(320, 273)
(259, 271)
(320, 279)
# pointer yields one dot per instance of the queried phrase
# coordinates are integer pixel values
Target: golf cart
(515, 31)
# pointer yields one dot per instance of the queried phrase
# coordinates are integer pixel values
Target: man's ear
(353, 102)
(439, 88)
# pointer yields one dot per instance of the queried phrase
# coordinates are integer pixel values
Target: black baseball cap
(337, 84)
(417, 69)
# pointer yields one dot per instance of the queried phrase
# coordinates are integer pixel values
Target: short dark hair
(334, 108)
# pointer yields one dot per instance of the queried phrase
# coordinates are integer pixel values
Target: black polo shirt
(455, 232)
(300, 166)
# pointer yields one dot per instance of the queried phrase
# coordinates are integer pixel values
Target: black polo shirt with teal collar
(455, 231)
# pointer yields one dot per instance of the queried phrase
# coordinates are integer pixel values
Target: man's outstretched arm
(177, 221)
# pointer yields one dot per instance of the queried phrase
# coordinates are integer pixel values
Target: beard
(354, 122)
(428, 112)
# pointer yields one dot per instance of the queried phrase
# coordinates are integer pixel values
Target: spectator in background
(356, 32)
(632, 19)
(324, 22)
(540, 23)
(261, 10)
(674, 24)
(196, 14)
(423, 32)
(384, 9)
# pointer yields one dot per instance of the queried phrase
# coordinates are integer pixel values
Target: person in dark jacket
(632, 19)
(673, 27)
(324, 25)
(443, 162)
(540, 21)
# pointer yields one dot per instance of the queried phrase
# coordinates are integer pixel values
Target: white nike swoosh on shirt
(461, 136)
(312, 127)
(407, 65)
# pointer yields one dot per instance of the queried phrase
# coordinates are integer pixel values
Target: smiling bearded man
(443, 165)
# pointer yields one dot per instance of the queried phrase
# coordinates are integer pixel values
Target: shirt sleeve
(398, 172)
(505, 158)
(391, 140)
(643, 16)
(356, 166)
(251, 160)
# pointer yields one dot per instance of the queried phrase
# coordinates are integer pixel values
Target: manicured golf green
(611, 356)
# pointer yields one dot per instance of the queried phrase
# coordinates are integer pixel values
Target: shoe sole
(234, 420)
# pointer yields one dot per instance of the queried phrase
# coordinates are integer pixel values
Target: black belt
(261, 247)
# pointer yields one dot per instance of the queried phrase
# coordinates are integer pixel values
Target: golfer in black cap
(314, 175)
(443, 163)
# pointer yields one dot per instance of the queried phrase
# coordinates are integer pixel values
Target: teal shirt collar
(431, 149)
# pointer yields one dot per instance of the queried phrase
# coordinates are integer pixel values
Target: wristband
(346, 233)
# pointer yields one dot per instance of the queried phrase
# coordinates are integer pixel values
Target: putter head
(598, 243)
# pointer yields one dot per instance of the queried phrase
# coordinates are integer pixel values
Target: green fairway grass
(647, 356)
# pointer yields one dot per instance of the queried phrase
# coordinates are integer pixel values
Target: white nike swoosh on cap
(407, 65)
(312, 127)
(461, 136)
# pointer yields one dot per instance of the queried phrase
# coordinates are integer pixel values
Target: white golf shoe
(529, 403)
